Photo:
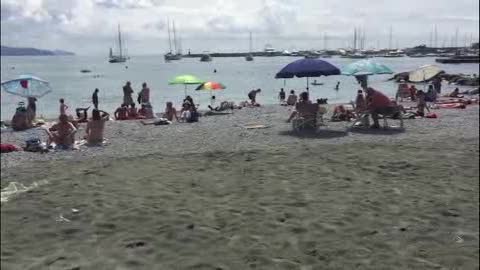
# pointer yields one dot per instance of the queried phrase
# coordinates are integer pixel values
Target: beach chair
(306, 118)
(395, 112)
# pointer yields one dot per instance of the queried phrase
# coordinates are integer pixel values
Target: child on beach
(63, 107)
(421, 103)
(170, 112)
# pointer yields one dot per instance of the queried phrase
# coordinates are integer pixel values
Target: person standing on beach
(127, 94)
(252, 95)
(63, 107)
(145, 94)
(31, 108)
(437, 84)
(281, 95)
(95, 98)
(292, 98)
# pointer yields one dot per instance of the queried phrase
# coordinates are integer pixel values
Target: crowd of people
(369, 103)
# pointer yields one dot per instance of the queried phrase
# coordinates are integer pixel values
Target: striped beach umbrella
(211, 86)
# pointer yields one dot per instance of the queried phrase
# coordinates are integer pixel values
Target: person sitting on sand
(82, 114)
(146, 111)
(21, 119)
(121, 113)
(95, 127)
(132, 112)
(304, 99)
(292, 98)
(340, 113)
(455, 93)
(170, 112)
(62, 133)
(281, 95)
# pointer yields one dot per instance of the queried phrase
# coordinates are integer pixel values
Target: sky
(89, 27)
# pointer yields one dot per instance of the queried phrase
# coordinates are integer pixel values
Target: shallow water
(238, 75)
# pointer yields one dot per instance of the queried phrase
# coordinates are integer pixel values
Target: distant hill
(14, 51)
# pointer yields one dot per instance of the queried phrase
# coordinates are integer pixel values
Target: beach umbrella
(363, 68)
(424, 73)
(185, 80)
(307, 68)
(27, 86)
(212, 86)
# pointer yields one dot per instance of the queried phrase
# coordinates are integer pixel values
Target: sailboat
(249, 56)
(170, 56)
(120, 58)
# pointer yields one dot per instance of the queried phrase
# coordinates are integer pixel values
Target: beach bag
(34, 145)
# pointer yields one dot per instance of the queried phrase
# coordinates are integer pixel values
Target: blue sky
(89, 26)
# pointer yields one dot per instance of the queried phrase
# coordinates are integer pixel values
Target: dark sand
(216, 196)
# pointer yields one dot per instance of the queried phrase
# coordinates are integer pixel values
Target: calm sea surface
(63, 72)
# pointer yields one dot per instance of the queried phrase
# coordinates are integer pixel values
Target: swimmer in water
(337, 87)
(214, 71)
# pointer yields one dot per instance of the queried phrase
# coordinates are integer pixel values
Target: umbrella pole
(307, 86)
(185, 90)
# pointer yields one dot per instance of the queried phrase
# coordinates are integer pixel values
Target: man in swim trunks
(252, 95)
(378, 103)
(121, 113)
(62, 133)
(127, 94)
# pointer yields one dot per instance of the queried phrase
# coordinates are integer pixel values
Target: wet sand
(213, 195)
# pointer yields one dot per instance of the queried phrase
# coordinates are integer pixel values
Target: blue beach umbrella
(307, 68)
(27, 86)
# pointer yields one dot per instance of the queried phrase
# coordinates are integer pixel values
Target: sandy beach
(214, 195)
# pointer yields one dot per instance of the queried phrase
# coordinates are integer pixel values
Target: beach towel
(255, 126)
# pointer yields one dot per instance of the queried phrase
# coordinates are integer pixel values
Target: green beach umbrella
(363, 68)
(185, 80)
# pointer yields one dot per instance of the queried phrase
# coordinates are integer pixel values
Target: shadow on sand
(319, 134)
(377, 131)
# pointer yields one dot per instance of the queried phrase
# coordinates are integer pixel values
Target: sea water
(238, 75)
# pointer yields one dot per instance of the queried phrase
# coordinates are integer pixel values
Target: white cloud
(89, 26)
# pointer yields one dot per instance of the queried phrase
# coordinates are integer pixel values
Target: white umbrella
(27, 86)
(424, 73)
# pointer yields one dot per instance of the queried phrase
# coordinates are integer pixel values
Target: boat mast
(169, 37)
(456, 37)
(390, 38)
(174, 38)
(119, 40)
(354, 39)
(435, 36)
(250, 43)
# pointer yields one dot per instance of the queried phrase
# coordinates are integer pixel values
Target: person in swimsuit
(62, 133)
(132, 112)
(292, 98)
(170, 112)
(252, 95)
(127, 94)
(63, 107)
(96, 126)
(121, 113)
(32, 108)
(95, 98)
(281, 95)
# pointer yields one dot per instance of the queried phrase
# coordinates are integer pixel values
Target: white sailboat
(120, 58)
(249, 56)
(170, 56)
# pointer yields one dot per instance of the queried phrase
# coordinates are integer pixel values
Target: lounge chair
(395, 113)
(306, 118)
